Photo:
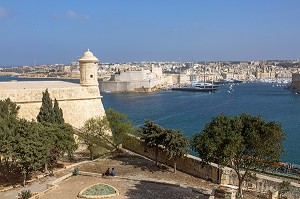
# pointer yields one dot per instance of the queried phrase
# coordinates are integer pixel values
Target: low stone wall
(188, 164)
(224, 176)
(262, 184)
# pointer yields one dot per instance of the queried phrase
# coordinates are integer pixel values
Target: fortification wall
(116, 86)
(78, 103)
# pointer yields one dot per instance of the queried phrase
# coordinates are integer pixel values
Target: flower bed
(98, 191)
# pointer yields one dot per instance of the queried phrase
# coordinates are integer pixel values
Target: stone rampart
(78, 103)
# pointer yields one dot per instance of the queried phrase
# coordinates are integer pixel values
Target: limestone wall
(263, 183)
(116, 86)
(78, 103)
(189, 164)
(132, 76)
(225, 176)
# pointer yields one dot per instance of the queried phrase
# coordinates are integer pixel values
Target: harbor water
(190, 111)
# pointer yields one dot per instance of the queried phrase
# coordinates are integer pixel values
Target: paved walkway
(36, 186)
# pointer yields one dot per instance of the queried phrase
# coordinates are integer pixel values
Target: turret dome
(88, 57)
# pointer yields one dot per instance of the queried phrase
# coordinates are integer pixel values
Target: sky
(60, 31)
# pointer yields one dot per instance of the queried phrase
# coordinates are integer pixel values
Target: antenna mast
(179, 73)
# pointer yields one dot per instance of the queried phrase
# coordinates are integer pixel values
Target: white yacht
(199, 84)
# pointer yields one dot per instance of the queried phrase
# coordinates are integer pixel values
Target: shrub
(25, 194)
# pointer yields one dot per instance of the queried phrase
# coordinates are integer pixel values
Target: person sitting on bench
(113, 172)
(75, 172)
(107, 172)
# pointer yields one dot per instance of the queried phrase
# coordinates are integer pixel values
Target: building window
(91, 76)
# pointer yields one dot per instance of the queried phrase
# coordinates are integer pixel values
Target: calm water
(188, 111)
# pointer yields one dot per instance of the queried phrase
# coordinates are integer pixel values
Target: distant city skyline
(49, 32)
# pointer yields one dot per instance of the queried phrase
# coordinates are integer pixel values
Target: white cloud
(4, 12)
(70, 14)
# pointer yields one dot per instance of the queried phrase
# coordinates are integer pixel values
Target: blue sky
(148, 30)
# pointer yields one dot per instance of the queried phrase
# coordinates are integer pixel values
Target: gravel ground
(131, 165)
(142, 171)
(135, 176)
(127, 189)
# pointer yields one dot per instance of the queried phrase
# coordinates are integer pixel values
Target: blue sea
(190, 111)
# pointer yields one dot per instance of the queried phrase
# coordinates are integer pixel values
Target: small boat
(233, 80)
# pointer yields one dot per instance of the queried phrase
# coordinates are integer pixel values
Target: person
(107, 172)
(75, 172)
(113, 172)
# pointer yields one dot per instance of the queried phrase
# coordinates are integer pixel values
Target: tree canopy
(175, 144)
(153, 135)
(95, 134)
(244, 143)
(59, 139)
(119, 125)
(28, 145)
(50, 112)
(171, 141)
(58, 113)
(46, 113)
(8, 125)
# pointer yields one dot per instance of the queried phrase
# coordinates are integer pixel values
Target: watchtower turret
(88, 69)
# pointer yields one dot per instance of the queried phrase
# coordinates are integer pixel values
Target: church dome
(88, 57)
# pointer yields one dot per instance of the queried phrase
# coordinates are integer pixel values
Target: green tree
(120, 127)
(46, 113)
(175, 145)
(96, 135)
(58, 113)
(244, 143)
(7, 152)
(59, 140)
(8, 109)
(8, 123)
(29, 147)
(153, 135)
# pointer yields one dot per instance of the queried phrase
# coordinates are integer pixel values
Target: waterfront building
(295, 86)
(137, 80)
